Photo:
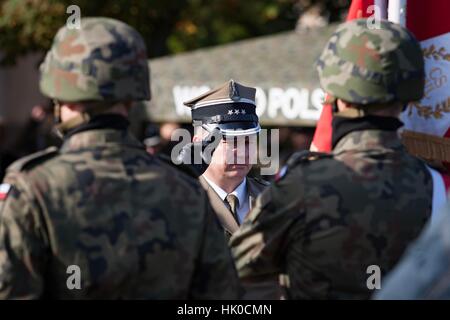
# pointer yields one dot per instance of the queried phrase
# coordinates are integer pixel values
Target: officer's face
(234, 156)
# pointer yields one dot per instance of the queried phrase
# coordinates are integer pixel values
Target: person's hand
(198, 154)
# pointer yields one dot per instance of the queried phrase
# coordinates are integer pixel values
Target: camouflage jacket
(135, 227)
(330, 217)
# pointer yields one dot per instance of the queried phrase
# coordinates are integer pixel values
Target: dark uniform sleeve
(215, 276)
(22, 250)
(259, 245)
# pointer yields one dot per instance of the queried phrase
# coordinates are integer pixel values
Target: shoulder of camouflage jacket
(298, 158)
(30, 161)
(305, 156)
(189, 170)
(186, 172)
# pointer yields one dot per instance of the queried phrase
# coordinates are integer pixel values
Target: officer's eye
(229, 141)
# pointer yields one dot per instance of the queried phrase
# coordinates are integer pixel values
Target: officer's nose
(241, 150)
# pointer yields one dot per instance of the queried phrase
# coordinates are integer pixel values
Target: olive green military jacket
(267, 288)
(226, 218)
(330, 218)
(101, 218)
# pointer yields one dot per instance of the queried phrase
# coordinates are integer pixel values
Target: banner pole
(397, 11)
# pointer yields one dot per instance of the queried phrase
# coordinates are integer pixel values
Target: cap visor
(239, 128)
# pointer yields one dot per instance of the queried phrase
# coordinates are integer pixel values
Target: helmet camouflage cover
(104, 60)
(366, 64)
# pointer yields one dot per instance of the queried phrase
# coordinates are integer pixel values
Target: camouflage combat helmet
(362, 65)
(104, 60)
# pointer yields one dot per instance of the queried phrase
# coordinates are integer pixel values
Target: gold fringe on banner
(427, 146)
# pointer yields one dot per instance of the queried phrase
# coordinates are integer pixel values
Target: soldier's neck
(227, 184)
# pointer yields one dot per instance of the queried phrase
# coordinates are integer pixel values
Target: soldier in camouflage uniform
(135, 227)
(328, 217)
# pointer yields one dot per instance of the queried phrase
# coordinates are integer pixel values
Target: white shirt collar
(240, 192)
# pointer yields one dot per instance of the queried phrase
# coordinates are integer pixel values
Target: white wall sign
(290, 103)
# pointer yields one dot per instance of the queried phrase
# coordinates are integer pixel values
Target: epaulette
(190, 170)
(31, 160)
(298, 157)
(306, 156)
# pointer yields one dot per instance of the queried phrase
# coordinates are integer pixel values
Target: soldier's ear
(70, 110)
(72, 106)
(343, 105)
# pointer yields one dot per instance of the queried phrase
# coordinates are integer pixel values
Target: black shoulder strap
(306, 156)
(190, 170)
(33, 159)
(259, 181)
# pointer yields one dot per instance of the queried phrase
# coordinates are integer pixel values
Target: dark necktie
(233, 203)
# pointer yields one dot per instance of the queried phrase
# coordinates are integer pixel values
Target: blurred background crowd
(173, 30)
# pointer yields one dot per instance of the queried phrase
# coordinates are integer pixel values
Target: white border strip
(397, 11)
(382, 8)
(439, 194)
(220, 101)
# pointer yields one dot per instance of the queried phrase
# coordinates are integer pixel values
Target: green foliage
(206, 23)
(168, 26)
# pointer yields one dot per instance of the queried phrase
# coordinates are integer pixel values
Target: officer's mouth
(238, 166)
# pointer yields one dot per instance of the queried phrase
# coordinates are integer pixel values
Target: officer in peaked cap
(219, 116)
(228, 113)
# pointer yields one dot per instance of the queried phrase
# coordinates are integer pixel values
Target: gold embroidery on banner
(432, 52)
(435, 79)
(427, 111)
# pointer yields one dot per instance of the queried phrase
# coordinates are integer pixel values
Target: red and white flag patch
(4, 189)
(281, 173)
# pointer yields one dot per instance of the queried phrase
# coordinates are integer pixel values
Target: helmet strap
(347, 113)
(351, 113)
(63, 127)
